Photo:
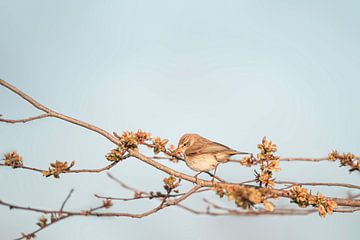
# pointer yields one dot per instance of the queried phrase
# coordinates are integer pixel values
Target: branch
(43, 223)
(139, 194)
(66, 199)
(24, 120)
(240, 193)
(32, 234)
(104, 133)
(52, 113)
(91, 212)
(112, 138)
(97, 170)
(345, 185)
(305, 159)
(277, 211)
(347, 210)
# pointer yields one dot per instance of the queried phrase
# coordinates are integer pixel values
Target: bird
(203, 155)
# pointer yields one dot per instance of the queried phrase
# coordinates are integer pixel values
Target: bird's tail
(237, 152)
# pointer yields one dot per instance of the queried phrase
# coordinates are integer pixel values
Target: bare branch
(345, 185)
(97, 170)
(122, 184)
(305, 159)
(28, 235)
(248, 213)
(140, 194)
(52, 113)
(66, 199)
(24, 120)
(351, 210)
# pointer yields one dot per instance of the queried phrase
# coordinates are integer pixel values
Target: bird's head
(186, 141)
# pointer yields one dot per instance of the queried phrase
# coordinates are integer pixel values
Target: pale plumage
(202, 154)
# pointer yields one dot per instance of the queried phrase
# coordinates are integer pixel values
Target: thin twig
(346, 185)
(139, 194)
(91, 212)
(66, 199)
(97, 170)
(305, 159)
(122, 183)
(23, 167)
(251, 212)
(351, 210)
(28, 235)
(24, 120)
(353, 196)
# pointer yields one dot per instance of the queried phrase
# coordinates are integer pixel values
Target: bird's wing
(207, 146)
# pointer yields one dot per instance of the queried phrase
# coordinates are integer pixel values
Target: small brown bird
(203, 155)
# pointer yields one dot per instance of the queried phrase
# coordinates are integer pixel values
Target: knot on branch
(269, 163)
(13, 159)
(304, 198)
(346, 159)
(58, 167)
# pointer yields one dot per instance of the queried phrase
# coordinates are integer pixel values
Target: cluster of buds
(171, 183)
(159, 145)
(304, 198)
(248, 161)
(131, 140)
(58, 167)
(42, 222)
(244, 196)
(269, 163)
(107, 203)
(115, 155)
(346, 159)
(13, 159)
(29, 236)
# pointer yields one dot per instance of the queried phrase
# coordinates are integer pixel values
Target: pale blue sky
(232, 71)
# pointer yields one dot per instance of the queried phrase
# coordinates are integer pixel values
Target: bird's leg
(214, 175)
(211, 175)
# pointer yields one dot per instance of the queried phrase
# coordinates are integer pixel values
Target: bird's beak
(179, 152)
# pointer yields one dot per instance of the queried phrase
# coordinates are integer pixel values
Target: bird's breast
(202, 162)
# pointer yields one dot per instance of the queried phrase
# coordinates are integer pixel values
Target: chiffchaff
(203, 155)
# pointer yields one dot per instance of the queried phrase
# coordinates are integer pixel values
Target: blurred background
(232, 71)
